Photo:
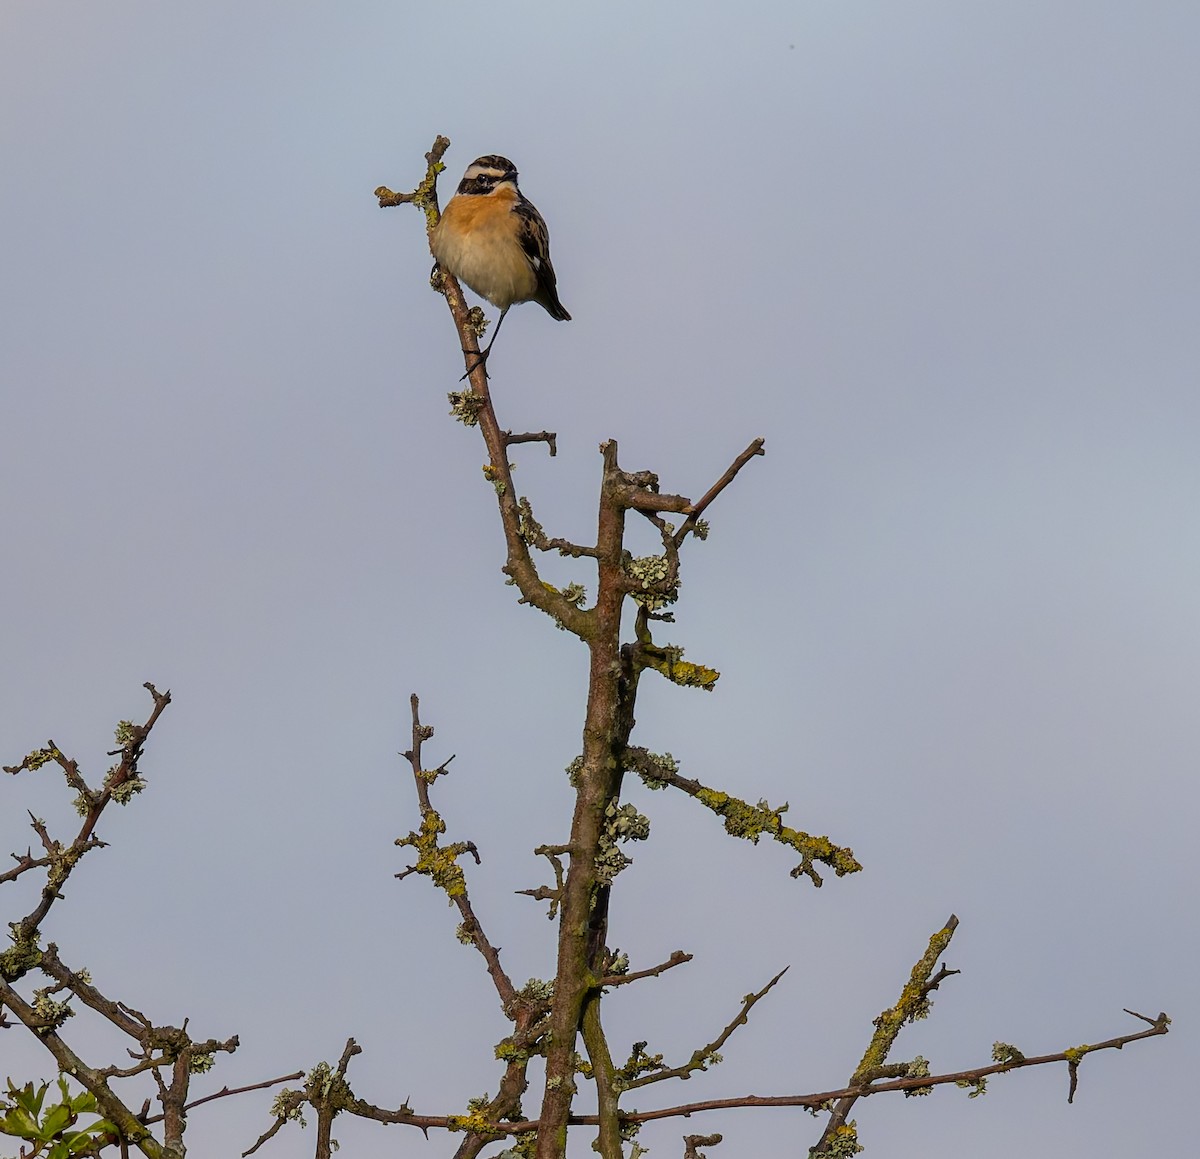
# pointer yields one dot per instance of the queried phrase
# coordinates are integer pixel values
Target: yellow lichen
(433, 861)
(913, 1005)
(684, 672)
(752, 821)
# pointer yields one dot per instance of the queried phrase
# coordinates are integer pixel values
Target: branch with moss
(912, 1006)
(167, 1054)
(527, 1008)
(1005, 1058)
(121, 783)
(581, 897)
(582, 892)
(475, 406)
(743, 819)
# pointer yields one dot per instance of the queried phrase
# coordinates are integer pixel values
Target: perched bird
(491, 237)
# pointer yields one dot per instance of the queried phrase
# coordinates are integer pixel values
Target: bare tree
(551, 1021)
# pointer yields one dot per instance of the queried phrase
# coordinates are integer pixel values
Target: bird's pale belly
(489, 261)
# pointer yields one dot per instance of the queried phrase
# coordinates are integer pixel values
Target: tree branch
(439, 862)
(701, 1058)
(816, 1101)
(676, 959)
(692, 1143)
(755, 448)
(743, 819)
(110, 1104)
(120, 783)
(912, 1005)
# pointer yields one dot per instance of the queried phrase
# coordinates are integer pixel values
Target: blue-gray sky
(943, 256)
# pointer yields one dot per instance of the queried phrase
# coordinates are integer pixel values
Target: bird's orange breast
(477, 241)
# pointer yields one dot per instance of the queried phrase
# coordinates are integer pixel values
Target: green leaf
(21, 1120)
(26, 1098)
(20, 1124)
(58, 1118)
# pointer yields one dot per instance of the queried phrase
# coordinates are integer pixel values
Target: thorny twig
(706, 1055)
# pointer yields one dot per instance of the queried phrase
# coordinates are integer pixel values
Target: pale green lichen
(1003, 1052)
(574, 594)
(39, 757)
(629, 1134)
(652, 574)
(638, 1063)
(127, 789)
(465, 406)
(287, 1106)
(126, 733)
(574, 770)
(201, 1063)
(843, 1144)
(327, 1088)
(51, 1011)
(493, 476)
(974, 1087)
(61, 864)
(528, 528)
(21, 957)
(538, 991)
(662, 767)
(509, 1051)
(622, 823)
(524, 1147)
(478, 321)
(917, 1069)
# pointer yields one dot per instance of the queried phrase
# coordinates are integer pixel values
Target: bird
(491, 237)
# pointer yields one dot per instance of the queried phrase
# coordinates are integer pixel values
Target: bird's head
(486, 174)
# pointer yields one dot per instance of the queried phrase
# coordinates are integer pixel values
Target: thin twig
(225, 1092)
(459, 895)
(755, 448)
(676, 959)
(547, 437)
(702, 1057)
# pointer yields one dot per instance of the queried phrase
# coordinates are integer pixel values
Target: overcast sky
(944, 256)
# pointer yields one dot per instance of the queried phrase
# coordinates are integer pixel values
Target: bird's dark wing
(535, 241)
